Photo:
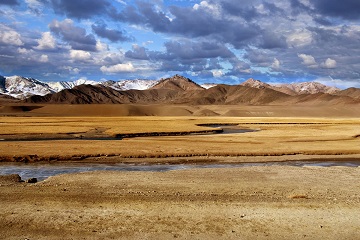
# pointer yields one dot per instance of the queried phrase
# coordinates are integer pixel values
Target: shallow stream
(42, 171)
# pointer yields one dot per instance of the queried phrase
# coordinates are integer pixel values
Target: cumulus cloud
(329, 63)
(80, 55)
(118, 68)
(308, 60)
(72, 70)
(47, 41)
(76, 37)
(44, 58)
(288, 39)
(276, 64)
(35, 6)
(101, 47)
(300, 38)
(217, 73)
(137, 52)
(9, 36)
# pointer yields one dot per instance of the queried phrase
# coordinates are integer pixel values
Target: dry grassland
(274, 136)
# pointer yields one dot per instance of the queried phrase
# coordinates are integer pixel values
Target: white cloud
(276, 64)
(217, 73)
(47, 41)
(72, 70)
(25, 51)
(329, 63)
(44, 58)
(213, 9)
(10, 36)
(308, 60)
(101, 47)
(33, 3)
(300, 38)
(342, 84)
(122, 2)
(121, 67)
(80, 55)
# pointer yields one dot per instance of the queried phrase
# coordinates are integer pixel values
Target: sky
(213, 41)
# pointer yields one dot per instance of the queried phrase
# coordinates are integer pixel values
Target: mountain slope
(307, 88)
(292, 88)
(21, 87)
(237, 94)
(350, 92)
(177, 82)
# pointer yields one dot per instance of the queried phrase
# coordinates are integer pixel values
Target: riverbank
(268, 202)
(265, 137)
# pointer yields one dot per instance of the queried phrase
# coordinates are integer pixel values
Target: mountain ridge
(175, 90)
(23, 87)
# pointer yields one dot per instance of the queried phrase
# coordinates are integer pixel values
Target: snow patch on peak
(255, 84)
(208, 85)
(23, 87)
(310, 88)
(59, 86)
(137, 84)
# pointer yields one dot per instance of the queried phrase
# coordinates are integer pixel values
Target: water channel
(42, 171)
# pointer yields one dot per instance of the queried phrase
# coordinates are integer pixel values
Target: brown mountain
(237, 94)
(180, 90)
(178, 82)
(350, 92)
(7, 99)
(292, 88)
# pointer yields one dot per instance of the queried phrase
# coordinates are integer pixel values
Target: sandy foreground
(278, 202)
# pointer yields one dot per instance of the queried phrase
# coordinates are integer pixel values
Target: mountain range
(174, 90)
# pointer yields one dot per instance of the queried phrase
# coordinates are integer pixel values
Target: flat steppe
(269, 202)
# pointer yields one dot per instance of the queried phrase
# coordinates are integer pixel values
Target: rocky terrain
(181, 90)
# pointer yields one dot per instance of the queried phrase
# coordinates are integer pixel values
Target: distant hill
(174, 90)
(181, 90)
(177, 82)
(350, 92)
(293, 88)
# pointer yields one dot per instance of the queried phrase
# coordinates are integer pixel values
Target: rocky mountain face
(180, 90)
(177, 82)
(22, 87)
(174, 90)
(293, 88)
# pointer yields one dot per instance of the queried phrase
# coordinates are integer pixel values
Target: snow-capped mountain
(293, 88)
(58, 86)
(133, 84)
(255, 84)
(310, 88)
(23, 87)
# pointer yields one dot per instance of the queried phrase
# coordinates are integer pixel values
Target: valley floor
(235, 203)
(263, 202)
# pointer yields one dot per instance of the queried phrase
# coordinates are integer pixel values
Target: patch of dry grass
(277, 136)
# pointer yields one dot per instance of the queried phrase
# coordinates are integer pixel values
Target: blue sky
(214, 41)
